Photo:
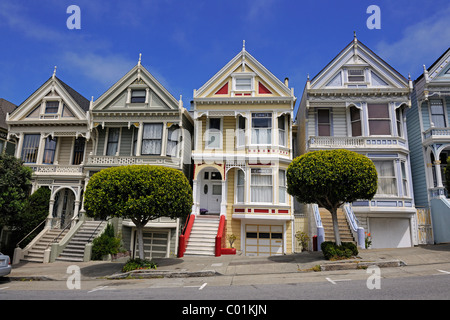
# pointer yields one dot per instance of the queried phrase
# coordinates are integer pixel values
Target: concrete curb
(354, 264)
(144, 274)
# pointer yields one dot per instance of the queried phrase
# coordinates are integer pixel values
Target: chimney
(286, 82)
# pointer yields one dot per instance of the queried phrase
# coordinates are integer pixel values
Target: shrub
(331, 251)
(105, 244)
(303, 240)
(137, 264)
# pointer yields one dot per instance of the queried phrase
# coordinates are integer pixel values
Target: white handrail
(351, 218)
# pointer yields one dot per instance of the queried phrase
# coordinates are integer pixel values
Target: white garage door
(390, 232)
(263, 240)
(155, 244)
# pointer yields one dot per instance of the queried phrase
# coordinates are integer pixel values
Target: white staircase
(202, 240)
(36, 252)
(74, 251)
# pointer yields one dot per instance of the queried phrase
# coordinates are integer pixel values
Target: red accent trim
(223, 90)
(262, 89)
(184, 238)
(283, 211)
(219, 236)
(239, 210)
(261, 210)
(228, 251)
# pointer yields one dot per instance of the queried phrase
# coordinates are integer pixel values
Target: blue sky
(184, 43)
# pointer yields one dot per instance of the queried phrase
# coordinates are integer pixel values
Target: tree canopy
(140, 193)
(331, 178)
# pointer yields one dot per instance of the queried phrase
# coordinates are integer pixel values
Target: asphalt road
(427, 282)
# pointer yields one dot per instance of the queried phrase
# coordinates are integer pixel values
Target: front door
(211, 192)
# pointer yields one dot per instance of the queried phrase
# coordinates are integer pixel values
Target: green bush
(331, 251)
(105, 244)
(137, 264)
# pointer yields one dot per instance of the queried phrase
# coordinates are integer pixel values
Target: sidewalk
(190, 266)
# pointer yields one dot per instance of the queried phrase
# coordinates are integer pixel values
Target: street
(419, 282)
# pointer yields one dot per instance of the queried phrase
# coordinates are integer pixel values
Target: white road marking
(4, 288)
(334, 281)
(98, 289)
(447, 272)
(203, 285)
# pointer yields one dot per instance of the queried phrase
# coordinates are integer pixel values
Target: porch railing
(319, 226)
(356, 142)
(353, 221)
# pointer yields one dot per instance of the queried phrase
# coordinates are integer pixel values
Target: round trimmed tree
(140, 193)
(331, 178)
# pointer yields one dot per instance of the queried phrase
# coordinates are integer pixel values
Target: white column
(40, 154)
(194, 197)
(437, 167)
(223, 204)
(139, 139)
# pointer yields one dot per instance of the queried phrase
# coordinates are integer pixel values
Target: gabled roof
(138, 72)
(444, 58)
(366, 57)
(243, 60)
(71, 95)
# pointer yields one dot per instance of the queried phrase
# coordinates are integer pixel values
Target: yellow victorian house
(242, 147)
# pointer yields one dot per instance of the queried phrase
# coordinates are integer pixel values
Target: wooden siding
(65, 150)
(126, 142)
(416, 153)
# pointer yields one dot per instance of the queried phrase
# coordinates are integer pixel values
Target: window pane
(30, 147)
(380, 127)
(78, 151)
(214, 123)
(51, 107)
(261, 187)
(282, 186)
(387, 182)
(240, 186)
(243, 84)
(138, 96)
(378, 111)
(151, 139)
(113, 141)
(49, 151)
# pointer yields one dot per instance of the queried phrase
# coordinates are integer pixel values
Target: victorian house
(358, 102)
(52, 137)
(6, 145)
(242, 147)
(429, 136)
(137, 121)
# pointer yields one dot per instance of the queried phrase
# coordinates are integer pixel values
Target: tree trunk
(140, 235)
(337, 237)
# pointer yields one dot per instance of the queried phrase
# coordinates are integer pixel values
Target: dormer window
(138, 96)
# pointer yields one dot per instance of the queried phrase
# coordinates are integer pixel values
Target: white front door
(211, 192)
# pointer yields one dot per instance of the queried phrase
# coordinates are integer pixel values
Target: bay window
(387, 182)
(152, 139)
(355, 119)
(282, 131)
(240, 186)
(261, 128)
(379, 119)
(437, 113)
(261, 185)
(172, 140)
(324, 122)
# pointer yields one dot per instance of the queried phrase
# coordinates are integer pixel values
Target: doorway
(210, 192)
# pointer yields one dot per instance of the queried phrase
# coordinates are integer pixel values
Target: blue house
(429, 141)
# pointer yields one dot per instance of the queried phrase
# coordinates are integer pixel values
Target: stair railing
(62, 231)
(319, 226)
(184, 237)
(95, 231)
(40, 224)
(353, 221)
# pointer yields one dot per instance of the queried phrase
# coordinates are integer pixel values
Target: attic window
(138, 96)
(244, 84)
(51, 107)
(356, 75)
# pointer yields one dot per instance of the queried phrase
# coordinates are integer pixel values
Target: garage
(263, 240)
(390, 232)
(156, 244)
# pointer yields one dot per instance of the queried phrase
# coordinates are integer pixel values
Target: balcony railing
(438, 132)
(56, 169)
(356, 142)
(93, 160)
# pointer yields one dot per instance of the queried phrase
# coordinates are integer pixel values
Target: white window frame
(107, 139)
(282, 189)
(208, 132)
(266, 172)
(243, 75)
(271, 129)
